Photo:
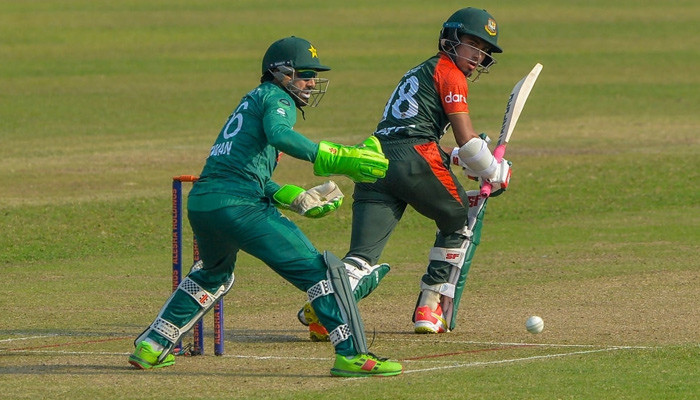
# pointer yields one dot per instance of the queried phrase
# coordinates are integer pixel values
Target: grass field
(101, 103)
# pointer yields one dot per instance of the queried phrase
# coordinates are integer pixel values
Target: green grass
(101, 103)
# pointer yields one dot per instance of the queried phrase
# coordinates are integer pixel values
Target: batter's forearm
(462, 128)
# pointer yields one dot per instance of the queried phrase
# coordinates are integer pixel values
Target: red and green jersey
(244, 155)
(418, 107)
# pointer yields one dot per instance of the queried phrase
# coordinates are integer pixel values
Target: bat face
(516, 102)
(514, 107)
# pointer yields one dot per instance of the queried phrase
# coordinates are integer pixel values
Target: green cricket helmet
(292, 52)
(291, 60)
(474, 22)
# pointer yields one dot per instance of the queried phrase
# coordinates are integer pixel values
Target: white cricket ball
(534, 324)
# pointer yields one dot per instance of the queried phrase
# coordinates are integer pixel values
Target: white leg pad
(453, 256)
(360, 263)
(355, 275)
(358, 269)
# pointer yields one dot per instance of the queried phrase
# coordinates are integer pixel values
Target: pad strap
(359, 263)
(340, 334)
(223, 289)
(201, 296)
(321, 288)
(357, 269)
(166, 329)
(446, 289)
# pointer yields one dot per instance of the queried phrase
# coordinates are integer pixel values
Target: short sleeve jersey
(245, 153)
(425, 95)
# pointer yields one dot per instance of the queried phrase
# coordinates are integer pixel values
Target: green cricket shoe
(362, 365)
(145, 357)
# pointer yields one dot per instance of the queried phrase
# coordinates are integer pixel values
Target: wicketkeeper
(429, 99)
(234, 206)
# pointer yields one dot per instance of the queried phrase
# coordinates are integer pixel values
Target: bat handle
(498, 154)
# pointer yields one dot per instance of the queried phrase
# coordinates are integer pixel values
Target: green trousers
(262, 231)
(419, 175)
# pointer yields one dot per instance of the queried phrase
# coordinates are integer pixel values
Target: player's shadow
(101, 370)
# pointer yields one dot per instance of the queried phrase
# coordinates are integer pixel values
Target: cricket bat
(516, 102)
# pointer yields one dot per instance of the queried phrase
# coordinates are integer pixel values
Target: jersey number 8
(402, 101)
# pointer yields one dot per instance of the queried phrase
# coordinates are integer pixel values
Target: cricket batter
(234, 206)
(429, 99)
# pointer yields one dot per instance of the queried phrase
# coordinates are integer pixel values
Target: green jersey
(425, 96)
(245, 153)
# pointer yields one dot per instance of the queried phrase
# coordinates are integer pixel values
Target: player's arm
(291, 142)
(473, 152)
(452, 92)
(462, 127)
(362, 163)
(278, 122)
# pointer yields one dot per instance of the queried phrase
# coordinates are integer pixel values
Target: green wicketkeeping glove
(362, 163)
(313, 203)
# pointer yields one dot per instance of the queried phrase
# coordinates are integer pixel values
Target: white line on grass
(512, 360)
(70, 353)
(459, 365)
(515, 344)
(278, 357)
(26, 338)
(106, 353)
(451, 366)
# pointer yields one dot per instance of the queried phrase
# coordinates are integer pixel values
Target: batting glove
(501, 178)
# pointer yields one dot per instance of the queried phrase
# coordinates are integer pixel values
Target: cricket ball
(534, 324)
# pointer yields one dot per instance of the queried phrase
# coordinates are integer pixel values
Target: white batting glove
(501, 176)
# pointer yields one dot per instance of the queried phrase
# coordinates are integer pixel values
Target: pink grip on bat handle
(498, 153)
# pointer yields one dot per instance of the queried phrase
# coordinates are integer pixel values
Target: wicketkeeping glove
(362, 163)
(313, 203)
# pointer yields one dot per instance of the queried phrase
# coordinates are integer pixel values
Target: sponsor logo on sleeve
(455, 98)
